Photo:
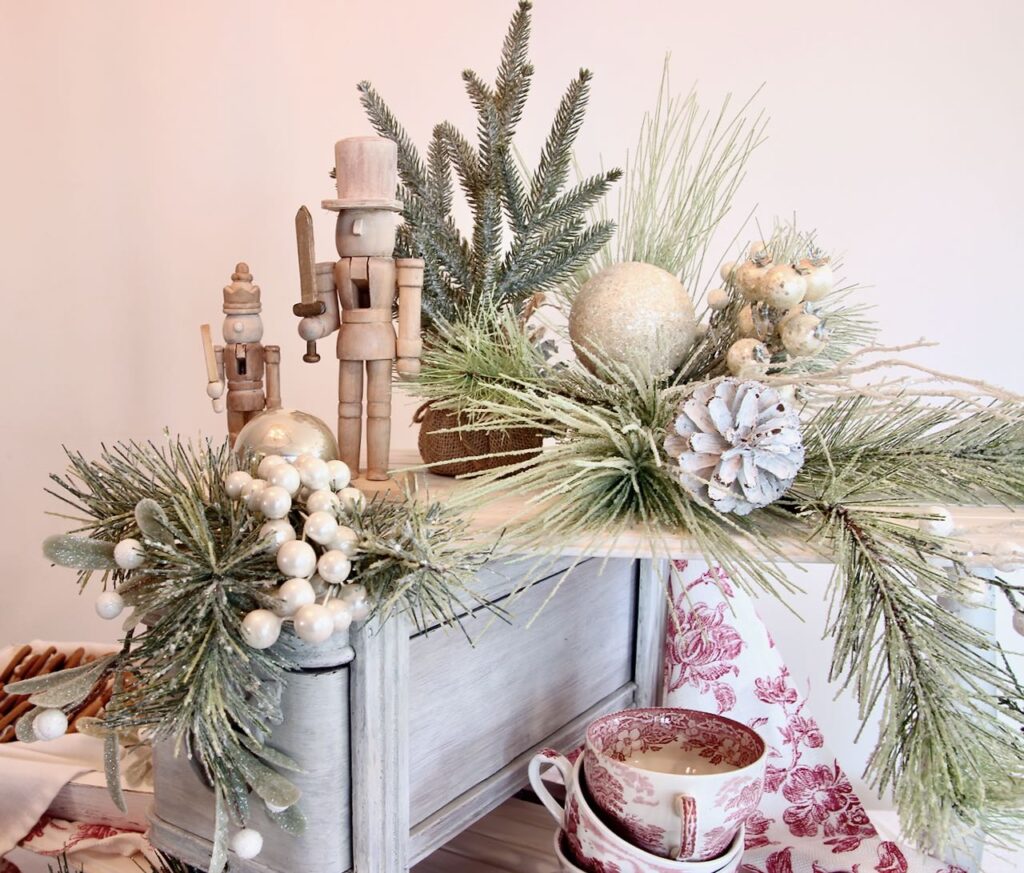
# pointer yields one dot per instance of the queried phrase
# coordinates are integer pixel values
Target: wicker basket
(449, 454)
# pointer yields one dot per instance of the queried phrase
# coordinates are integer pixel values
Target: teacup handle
(560, 763)
(687, 808)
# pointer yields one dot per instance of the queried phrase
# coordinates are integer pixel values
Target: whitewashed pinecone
(737, 444)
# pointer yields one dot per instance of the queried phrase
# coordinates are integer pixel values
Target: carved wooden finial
(241, 273)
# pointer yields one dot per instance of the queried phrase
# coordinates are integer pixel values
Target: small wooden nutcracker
(356, 295)
(242, 360)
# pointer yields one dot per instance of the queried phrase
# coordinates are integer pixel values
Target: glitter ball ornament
(737, 444)
(276, 532)
(351, 498)
(109, 605)
(334, 567)
(261, 628)
(320, 527)
(340, 474)
(748, 358)
(275, 502)
(235, 482)
(630, 309)
(748, 278)
(322, 501)
(727, 270)
(247, 843)
(128, 554)
(313, 623)
(50, 724)
(296, 558)
(293, 594)
(288, 433)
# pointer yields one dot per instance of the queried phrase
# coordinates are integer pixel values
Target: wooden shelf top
(981, 526)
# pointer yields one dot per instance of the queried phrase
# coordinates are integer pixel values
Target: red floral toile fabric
(719, 657)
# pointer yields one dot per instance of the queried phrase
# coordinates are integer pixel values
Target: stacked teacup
(656, 791)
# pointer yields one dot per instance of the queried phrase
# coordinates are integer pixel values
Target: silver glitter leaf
(267, 783)
(112, 768)
(75, 676)
(153, 521)
(219, 857)
(81, 553)
(24, 730)
(272, 756)
(290, 820)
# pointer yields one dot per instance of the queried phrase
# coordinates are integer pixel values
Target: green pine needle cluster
(475, 357)
(950, 744)
(550, 236)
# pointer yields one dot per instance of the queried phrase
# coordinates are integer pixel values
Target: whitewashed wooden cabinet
(408, 737)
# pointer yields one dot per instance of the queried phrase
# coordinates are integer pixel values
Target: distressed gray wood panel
(455, 817)
(473, 710)
(315, 733)
(380, 749)
(652, 614)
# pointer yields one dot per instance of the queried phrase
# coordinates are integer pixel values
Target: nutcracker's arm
(315, 327)
(410, 291)
(214, 357)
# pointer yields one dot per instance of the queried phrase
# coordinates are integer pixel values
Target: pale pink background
(147, 146)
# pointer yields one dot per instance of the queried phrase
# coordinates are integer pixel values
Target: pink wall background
(148, 146)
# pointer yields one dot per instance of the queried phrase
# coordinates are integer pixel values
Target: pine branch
(410, 165)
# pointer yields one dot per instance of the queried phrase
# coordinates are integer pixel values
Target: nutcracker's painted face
(243, 329)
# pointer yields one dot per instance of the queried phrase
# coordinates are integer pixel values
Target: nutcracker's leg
(378, 419)
(236, 421)
(350, 412)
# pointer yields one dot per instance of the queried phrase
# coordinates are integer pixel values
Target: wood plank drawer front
(315, 734)
(474, 709)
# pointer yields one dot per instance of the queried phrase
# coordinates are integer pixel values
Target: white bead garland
(293, 595)
(109, 605)
(285, 476)
(341, 612)
(275, 502)
(351, 498)
(252, 493)
(235, 482)
(128, 554)
(296, 558)
(314, 474)
(50, 724)
(313, 623)
(340, 474)
(268, 464)
(277, 532)
(345, 540)
(261, 628)
(322, 500)
(355, 596)
(334, 567)
(321, 527)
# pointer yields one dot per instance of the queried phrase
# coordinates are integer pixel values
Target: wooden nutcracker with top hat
(355, 295)
(240, 364)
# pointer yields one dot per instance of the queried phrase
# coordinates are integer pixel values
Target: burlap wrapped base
(447, 453)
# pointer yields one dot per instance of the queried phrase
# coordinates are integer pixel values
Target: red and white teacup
(676, 782)
(593, 845)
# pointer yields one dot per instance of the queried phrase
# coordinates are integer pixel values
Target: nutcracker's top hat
(241, 297)
(366, 168)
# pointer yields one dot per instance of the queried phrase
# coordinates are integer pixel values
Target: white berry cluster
(321, 492)
(779, 312)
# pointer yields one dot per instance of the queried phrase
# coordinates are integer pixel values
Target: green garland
(185, 674)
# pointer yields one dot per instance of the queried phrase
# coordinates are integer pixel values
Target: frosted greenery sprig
(549, 235)
(680, 182)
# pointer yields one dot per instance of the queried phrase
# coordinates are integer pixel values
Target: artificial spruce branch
(530, 233)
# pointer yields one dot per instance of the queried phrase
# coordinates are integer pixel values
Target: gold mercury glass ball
(631, 312)
(288, 433)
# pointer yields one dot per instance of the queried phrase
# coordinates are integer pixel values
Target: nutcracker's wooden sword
(311, 305)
